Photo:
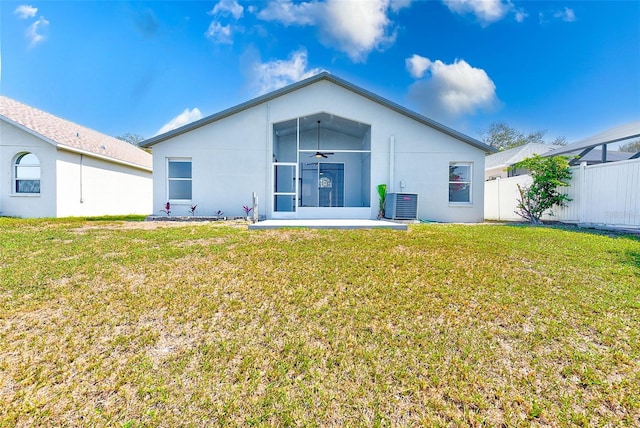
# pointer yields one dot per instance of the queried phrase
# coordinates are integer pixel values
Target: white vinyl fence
(605, 194)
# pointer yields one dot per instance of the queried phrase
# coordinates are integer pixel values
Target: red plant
(167, 209)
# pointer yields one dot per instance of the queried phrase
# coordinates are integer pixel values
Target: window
(179, 179)
(27, 173)
(460, 182)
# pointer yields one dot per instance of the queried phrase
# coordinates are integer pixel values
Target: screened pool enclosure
(321, 167)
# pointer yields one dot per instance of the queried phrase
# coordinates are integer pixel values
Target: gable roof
(71, 136)
(516, 154)
(310, 81)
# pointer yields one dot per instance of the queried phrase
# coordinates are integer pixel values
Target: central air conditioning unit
(401, 206)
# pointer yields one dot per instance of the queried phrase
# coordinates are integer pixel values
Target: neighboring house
(497, 165)
(318, 149)
(50, 167)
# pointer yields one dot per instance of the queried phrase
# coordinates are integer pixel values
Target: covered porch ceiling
(328, 122)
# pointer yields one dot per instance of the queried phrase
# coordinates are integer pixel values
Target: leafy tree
(503, 137)
(549, 174)
(631, 146)
(130, 138)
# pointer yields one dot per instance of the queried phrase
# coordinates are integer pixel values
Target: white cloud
(227, 7)
(276, 74)
(396, 5)
(357, 27)
(486, 11)
(520, 15)
(567, 15)
(288, 13)
(352, 27)
(34, 31)
(219, 33)
(450, 90)
(25, 11)
(417, 65)
(187, 116)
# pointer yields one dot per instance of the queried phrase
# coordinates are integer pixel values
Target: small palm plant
(382, 192)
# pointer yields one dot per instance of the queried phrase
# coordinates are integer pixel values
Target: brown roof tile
(68, 134)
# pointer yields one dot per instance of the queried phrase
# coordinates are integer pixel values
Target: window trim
(470, 183)
(14, 174)
(169, 179)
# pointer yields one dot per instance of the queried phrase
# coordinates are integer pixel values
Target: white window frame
(169, 179)
(470, 183)
(15, 179)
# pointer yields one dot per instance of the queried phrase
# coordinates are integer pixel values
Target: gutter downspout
(270, 169)
(81, 163)
(392, 162)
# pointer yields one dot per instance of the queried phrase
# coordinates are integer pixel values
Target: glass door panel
(309, 185)
(331, 185)
(284, 187)
(322, 185)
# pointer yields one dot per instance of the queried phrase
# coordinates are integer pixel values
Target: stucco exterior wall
(14, 141)
(92, 187)
(107, 188)
(232, 156)
(229, 162)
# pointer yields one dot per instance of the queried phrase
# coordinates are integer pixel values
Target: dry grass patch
(105, 323)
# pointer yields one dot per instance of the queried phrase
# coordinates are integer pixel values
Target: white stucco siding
(229, 162)
(14, 141)
(88, 186)
(422, 158)
(497, 172)
(422, 153)
(231, 157)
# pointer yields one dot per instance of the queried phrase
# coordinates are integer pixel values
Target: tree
(631, 146)
(130, 138)
(503, 137)
(549, 174)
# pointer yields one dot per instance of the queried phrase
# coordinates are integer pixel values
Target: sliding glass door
(322, 185)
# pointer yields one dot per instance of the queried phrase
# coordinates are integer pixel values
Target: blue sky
(571, 67)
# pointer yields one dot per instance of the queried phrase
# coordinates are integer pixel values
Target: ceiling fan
(318, 154)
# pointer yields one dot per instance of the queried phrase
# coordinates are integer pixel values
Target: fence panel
(501, 196)
(605, 194)
(613, 196)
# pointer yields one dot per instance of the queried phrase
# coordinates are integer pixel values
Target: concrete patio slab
(329, 224)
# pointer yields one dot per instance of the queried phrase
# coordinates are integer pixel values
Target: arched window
(27, 173)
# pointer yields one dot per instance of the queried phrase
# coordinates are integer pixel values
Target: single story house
(318, 149)
(497, 165)
(50, 167)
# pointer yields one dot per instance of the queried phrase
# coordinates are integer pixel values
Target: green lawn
(124, 323)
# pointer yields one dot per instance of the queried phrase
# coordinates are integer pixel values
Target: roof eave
(104, 157)
(62, 146)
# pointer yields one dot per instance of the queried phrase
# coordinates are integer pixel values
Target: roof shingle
(64, 133)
